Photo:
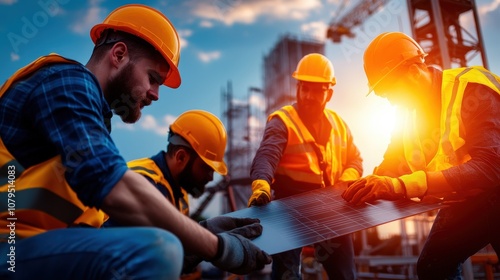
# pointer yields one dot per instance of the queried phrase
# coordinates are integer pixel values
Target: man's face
(135, 86)
(195, 176)
(312, 98)
(397, 89)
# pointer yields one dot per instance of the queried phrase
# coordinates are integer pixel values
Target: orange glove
(261, 193)
(375, 187)
(349, 174)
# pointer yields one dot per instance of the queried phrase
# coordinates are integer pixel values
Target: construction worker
(60, 167)
(197, 142)
(305, 147)
(448, 147)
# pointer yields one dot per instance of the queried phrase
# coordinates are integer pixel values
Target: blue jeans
(336, 255)
(89, 253)
(458, 232)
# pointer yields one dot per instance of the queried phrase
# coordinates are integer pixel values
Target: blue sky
(224, 40)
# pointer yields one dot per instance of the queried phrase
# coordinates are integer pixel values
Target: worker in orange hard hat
(448, 148)
(197, 142)
(66, 176)
(306, 146)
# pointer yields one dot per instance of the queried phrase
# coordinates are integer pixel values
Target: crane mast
(435, 24)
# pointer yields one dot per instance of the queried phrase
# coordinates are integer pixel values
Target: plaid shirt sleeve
(68, 113)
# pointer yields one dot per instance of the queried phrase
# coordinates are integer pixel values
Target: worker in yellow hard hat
(61, 170)
(196, 146)
(447, 148)
(306, 146)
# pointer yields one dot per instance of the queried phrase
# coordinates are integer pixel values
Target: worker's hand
(374, 187)
(247, 227)
(261, 193)
(343, 185)
(239, 255)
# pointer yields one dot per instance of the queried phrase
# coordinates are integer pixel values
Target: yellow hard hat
(206, 135)
(315, 68)
(150, 25)
(387, 52)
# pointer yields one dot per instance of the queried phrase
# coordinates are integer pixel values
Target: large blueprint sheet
(320, 215)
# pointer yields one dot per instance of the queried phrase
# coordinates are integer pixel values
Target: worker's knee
(158, 253)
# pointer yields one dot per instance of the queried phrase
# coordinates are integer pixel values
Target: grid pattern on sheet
(320, 215)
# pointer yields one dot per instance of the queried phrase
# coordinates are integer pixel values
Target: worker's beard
(189, 182)
(310, 109)
(122, 98)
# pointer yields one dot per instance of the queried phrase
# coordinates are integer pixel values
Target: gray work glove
(247, 227)
(239, 255)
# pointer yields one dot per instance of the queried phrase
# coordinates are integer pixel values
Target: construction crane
(344, 25)
(447, 42)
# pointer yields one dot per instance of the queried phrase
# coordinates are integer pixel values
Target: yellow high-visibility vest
(147, 167)
(41, 199)
(452, 135)
(300, 161)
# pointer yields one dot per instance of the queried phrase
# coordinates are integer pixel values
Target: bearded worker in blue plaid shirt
(62, 176)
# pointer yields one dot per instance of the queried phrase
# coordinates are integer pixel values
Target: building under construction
(448, 43)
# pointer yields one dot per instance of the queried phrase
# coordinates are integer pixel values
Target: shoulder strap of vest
(32, 67)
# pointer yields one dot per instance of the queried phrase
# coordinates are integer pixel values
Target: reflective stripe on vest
(43, 199)
(300, 160)
(451, 139)
(147, 167)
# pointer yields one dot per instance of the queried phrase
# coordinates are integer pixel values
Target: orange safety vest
(451, 139)
(305, 161)
(38, 198)
(147, 167)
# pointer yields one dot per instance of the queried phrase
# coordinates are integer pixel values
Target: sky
(225, 41)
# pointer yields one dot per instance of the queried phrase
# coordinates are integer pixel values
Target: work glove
(349, 174)
(261, 193)
(375, 187)
(239, 255)
(246, 227)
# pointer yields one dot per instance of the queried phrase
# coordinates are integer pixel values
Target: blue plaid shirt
(61, 110)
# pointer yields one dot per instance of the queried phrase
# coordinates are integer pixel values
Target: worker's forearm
(135, 202)
(437, 184)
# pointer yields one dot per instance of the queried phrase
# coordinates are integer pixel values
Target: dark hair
(172, 149)
(137, 47)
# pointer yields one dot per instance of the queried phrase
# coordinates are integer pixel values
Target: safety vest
(147, 167)
(38, 198)
(305, 161)
(454, 82)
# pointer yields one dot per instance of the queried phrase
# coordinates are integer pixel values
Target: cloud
(490, 7)
(183, 34)
(14, 56)
(490, 13)
(206, 24)
(7, 2)
(148, 122)
(247, 12)
(316, 29)
(91, 16)
(208, 56)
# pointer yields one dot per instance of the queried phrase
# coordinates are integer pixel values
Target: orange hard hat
(205, 134)
(150, 25)
(387, 52)
(315, 68)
